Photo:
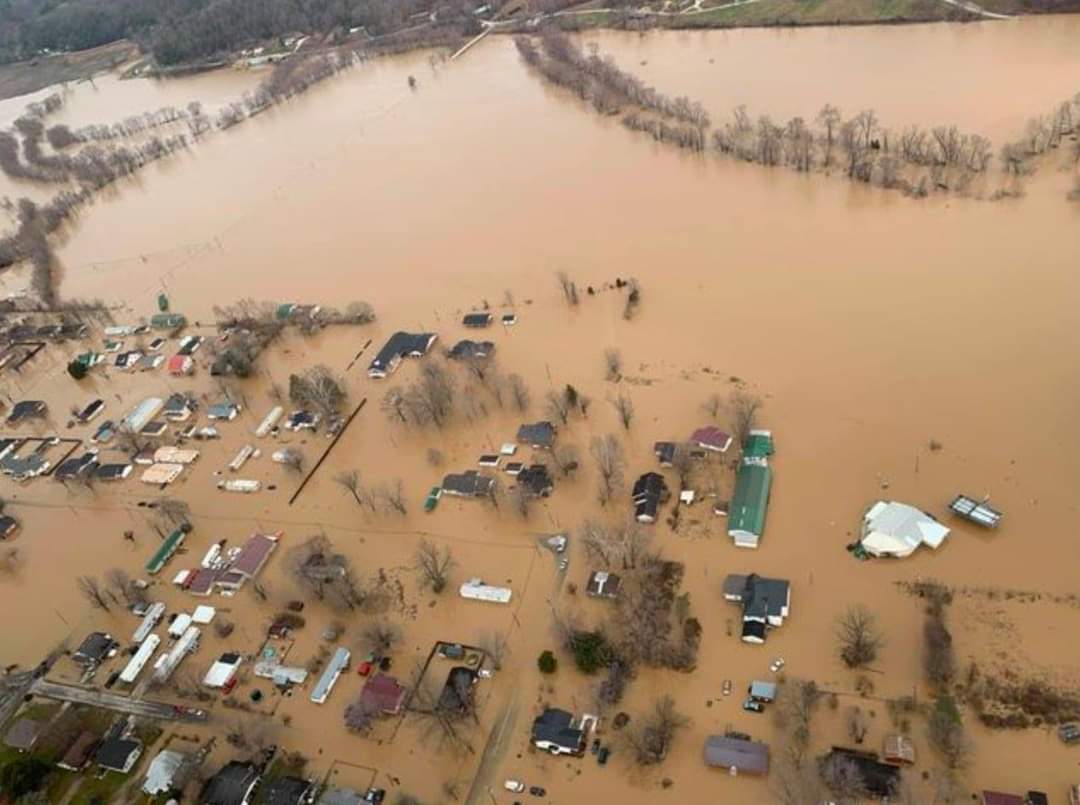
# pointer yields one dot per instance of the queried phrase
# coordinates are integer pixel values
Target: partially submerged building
(95, 649)
(737, 755)
(602, 584)
(535, 481)
(650, 491)
(383, 694)
(400, 345)
(765, 603)
(555, 731)
(537, 435)
(896, 530)
(879, 780)
(468, 484)
(477, 320)
(746, 514)
(476, 590)
(118, 753)
(234, 784)
(335, 668)
(468, 350)
(165, 772)
(711, 438)
(223, 672)
(288, 791)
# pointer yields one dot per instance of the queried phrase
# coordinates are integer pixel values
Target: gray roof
(341, 796)
(23, 734)
(230, 786)
(162, 771)
(463, 350)
(537, 434)
(748, 757)
(469, 484)
(95, 647)
(401, 345)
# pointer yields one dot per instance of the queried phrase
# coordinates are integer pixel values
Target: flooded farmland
(870, 324)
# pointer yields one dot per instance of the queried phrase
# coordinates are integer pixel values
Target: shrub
(77, 370)
(591, 651)
(547, 663)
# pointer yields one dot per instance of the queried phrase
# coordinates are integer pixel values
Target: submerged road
(112, 701)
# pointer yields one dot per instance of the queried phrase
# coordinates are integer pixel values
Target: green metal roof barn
(746, 518)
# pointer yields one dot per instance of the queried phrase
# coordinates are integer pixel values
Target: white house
(478, 591)
(893, 529)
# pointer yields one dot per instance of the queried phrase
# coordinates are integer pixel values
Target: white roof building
(478, 591)
(896, 529)
(163, 771)
(150, 620)
(223, 670)
(138, 662)
(179, 625)
(167, 663)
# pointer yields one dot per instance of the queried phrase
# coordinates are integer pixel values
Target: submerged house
(554, 731)
(95, 649)
(711, 438)
(602, 584)
(383, 694)
(649, 493)
(538, 435)
(737, 755)
(896, 530)
(477, 320)
(232, 785)
(765, 603)
(471, 350)
(746, 514)
(468, 484)
(337, 665)
(536, 481)
(400, 345)
(880, 780)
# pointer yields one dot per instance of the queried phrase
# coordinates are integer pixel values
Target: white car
(514, 785)
(777, 664)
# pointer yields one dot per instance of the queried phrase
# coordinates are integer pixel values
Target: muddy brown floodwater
(871, 324)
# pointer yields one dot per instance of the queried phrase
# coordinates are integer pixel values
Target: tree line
(914, 160)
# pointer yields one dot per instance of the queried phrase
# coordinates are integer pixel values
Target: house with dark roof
(112, 472)
(554, 731)
(665, 453)
(27, 409)
(536, 481)
(399, 346)
(23, 734)
(880, 780)
(118, 754)
(468, 484)
(232, 785)
(649, 493)
(477, 320)
(288, 791)
(383, 694)
(603, 585)
(765, 603)
(178, 407)
(95, 649)
(78, 467)
(457, 694)
(466, 350)
(737, 755)
(77, 756)
(538, 435)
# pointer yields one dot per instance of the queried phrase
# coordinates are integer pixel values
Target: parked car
(514, 785)
(1069, 733)
(375, 795)
(537, 791)
(602, 755)
(727, 687)
(753, 706)
(595, 745)
(777, 664)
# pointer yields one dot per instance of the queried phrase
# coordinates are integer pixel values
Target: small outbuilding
(711, 438)
(538, 435)
(603, 585)
(383, 694)
(896, 530)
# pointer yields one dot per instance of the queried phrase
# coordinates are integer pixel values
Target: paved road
(112, 701)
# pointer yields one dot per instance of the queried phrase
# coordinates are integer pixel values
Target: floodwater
(870, 324)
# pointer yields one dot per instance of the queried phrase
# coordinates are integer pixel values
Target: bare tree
(939, 661)
(393, 405)
(796, 701)
(567, 459)
(612, 364)
(174, 511)
(392, 496)
(713, 405)
(519, 392)
(318, 388)
(521, 501)
(360, 716)
(649, 737)
(379, 637)
(829, 118)
(855, 720)
(349, 480)
(568, 287)
(122, 583)
(557, 406)
(431, 398)
(607, 452)
(796, 784)
(682, 461)
(11, 561)
(945, 728)
(859, 637)
(843, 778)
(495, 645)
(433, 565)
(744, 410)
(93, 592)
(622, 547)
(624, 407)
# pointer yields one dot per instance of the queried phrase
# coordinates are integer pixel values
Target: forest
(185, 31)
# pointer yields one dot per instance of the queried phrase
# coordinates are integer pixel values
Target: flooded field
(870, 324)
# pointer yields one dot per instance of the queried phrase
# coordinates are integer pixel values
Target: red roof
(179, 364)
(382, 693)
(253, 555)
(998, 798)
(202, 581)
(712, 437)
